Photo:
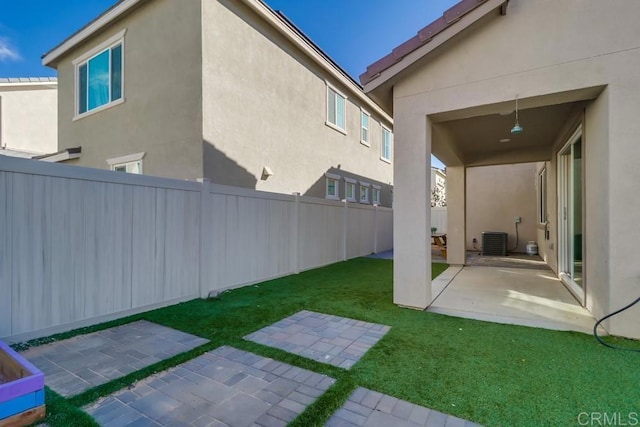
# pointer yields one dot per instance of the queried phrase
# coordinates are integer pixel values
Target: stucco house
(28, 116)
(228, 90)
(574, 69)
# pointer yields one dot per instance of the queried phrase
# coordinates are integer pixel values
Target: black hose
(595, 327)
(517, 240)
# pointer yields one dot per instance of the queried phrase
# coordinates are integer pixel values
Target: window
(350, 189)
(132, 167)
(99, 77)
(376, 194)
(542, 196)
(364, 127)
(336, 109)
(131, 163)
(364, 192)
(385, 145)
(332, 191)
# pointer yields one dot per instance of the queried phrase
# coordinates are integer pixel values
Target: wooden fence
(80, 246)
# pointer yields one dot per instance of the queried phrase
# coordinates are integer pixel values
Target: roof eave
(49, 58)
(281, 26)
(405, 55)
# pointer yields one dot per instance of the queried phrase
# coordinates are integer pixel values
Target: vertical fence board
(6, 253)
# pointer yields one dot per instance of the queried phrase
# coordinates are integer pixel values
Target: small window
(542, 196)
(99, 76)
(364, 128)
(332, 191)
(350, 189)
(385, 145)
(131, 163)
(376, 195)
(131, 167)
(336, 114)
(364, 192)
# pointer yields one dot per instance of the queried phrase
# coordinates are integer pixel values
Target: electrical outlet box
(517, 219)
(475, 240)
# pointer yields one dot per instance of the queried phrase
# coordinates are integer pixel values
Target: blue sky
(355, 33)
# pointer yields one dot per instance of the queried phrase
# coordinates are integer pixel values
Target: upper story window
(385, 145)
(336, 109)
(100, 77)
(364, 127)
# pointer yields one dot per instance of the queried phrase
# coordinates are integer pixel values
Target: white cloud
(7, 52)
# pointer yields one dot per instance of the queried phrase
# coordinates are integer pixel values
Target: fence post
(375, 229)
(296, 233)
(205, 197)
(345, 230)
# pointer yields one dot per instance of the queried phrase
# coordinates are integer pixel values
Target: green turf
(493, 374)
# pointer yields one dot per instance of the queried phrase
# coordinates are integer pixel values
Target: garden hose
(595, 328)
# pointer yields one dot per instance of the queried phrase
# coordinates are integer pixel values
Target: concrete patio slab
(334, 340)
(224, 387)
(76, 364)
(519, 296)
(368, 408)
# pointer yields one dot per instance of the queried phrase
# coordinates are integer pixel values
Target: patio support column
(411, 206)
(456, 215)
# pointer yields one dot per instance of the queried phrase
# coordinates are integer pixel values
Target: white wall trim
(99, 48)
(88, 31)
(60, 157)
(351, 180)
(332, 175)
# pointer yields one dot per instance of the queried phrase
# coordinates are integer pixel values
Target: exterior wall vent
(494, 243)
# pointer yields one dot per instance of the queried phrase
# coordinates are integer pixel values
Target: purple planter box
(21, 383)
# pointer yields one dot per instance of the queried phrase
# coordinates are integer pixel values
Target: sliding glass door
(570, 212)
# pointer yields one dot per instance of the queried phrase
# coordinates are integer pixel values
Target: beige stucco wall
(29, 117)
(561, 46)
(495, 196)
(264, 104)
(162, 111)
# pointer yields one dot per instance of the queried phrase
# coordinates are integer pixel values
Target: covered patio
(461, 90)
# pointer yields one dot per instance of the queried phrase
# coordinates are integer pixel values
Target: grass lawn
(496, 375)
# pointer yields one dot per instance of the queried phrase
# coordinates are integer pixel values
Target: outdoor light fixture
(516, 129)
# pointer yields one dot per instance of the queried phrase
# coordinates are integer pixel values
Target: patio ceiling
(476, 136)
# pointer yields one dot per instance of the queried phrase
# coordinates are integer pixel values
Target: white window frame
(347, 183)
(376, 195)
(542, 196)
(116, 39)
(328, 121)
(332, 177)
(365, 186)
(382, 132)
(366, 142)
(128, 160)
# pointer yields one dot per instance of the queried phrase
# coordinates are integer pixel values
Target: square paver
(337, 341)
(369, 408)
(225, 387)
(76, 364)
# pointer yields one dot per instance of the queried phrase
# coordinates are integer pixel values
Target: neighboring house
(575, 67)
(28, 116)
(227, 90)
(438, 187)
